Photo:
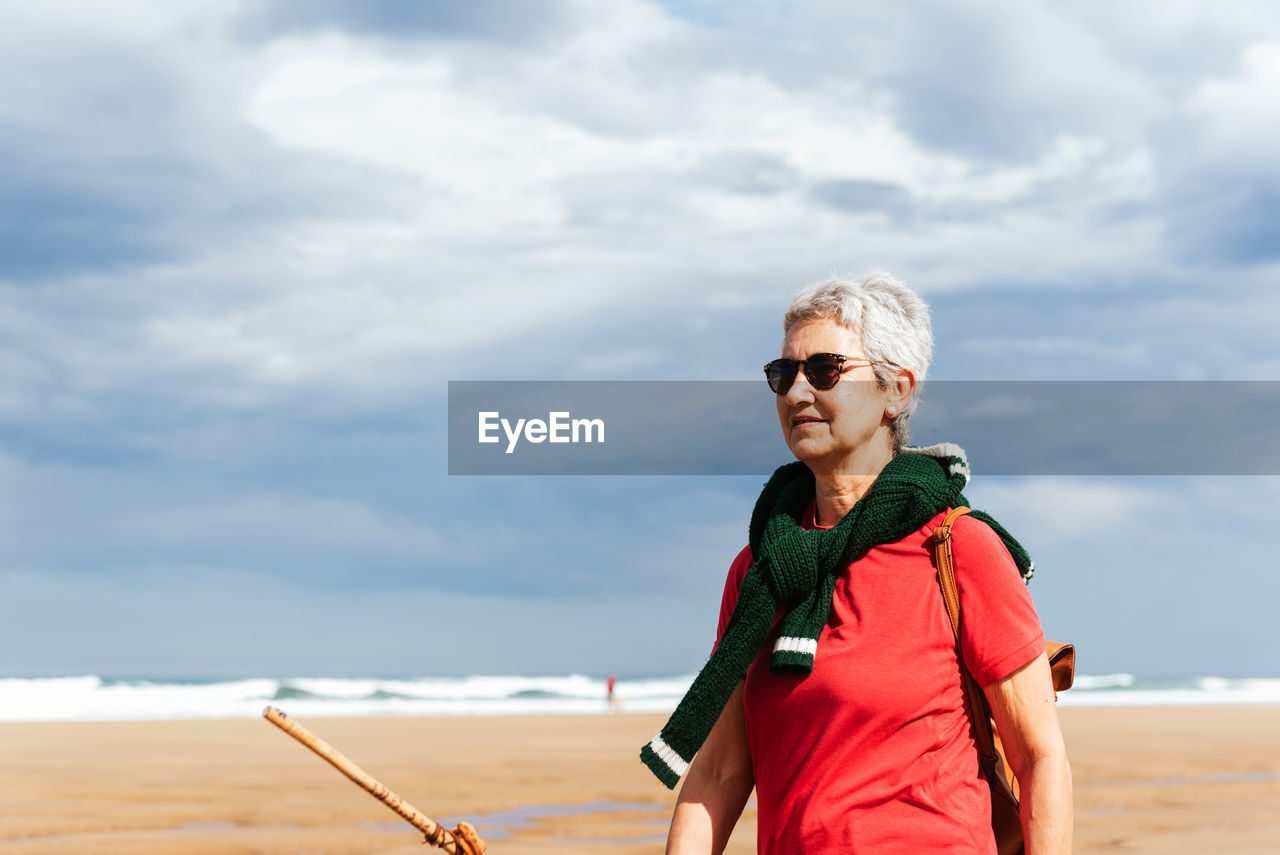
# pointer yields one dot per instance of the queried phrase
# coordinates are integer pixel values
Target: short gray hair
(891, 319)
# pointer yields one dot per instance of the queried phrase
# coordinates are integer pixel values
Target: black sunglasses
(822, 369)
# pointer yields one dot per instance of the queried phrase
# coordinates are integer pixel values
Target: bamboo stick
(460, 841)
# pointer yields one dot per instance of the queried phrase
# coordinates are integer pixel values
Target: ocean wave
(1086, 682)
(94, 698)
(1189, 691)
(90, 697)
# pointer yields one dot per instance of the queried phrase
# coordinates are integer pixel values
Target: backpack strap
(947, 570)
(945, 560)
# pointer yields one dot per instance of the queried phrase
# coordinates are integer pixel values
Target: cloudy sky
(245, 245)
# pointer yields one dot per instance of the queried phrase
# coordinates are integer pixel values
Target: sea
(96, 698)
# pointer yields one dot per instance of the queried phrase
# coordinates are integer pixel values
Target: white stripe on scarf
(791, 644)
(668, 755)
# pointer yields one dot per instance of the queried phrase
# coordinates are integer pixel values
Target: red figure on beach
(610, 682)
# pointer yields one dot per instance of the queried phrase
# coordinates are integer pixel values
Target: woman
(834, 688)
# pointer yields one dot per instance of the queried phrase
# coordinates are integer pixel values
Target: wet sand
(1151, 779)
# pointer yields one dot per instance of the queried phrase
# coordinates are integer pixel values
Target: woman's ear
(900, 392)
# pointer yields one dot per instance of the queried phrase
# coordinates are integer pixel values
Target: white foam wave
(1087, 682)
(1195, 691)
(92, 698)
(83, 698)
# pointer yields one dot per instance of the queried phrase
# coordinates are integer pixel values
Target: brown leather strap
(946, 567)
(951, 596)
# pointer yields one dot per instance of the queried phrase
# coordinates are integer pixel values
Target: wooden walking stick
(462, 840)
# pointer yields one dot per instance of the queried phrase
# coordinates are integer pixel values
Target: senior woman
(834, 689)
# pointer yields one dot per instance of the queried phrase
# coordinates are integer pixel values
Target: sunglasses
(822, 369)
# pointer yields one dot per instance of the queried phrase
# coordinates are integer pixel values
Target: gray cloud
(746, 171)
(1004, 81)
(1229, 220)
(500, 20)
(114, 158)
(993, 81)
(861, 197)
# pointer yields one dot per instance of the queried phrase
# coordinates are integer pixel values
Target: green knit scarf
(798, 569)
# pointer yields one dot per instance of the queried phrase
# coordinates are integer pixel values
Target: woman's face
(826, 427)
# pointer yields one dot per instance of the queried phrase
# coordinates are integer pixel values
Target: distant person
(835, 689)
(610, 683)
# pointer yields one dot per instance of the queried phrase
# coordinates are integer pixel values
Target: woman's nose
(800, 390)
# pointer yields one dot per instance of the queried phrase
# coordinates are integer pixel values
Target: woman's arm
(716, 787)
(1023, 706)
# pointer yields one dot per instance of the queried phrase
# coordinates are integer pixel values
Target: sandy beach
(1147, 779)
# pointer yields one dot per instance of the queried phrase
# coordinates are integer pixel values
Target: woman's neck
(840, 488)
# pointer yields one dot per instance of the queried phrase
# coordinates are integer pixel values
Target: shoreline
(518, 715)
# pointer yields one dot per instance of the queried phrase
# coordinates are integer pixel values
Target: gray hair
(891, 319)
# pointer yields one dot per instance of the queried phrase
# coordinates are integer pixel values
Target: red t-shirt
(871, 752)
